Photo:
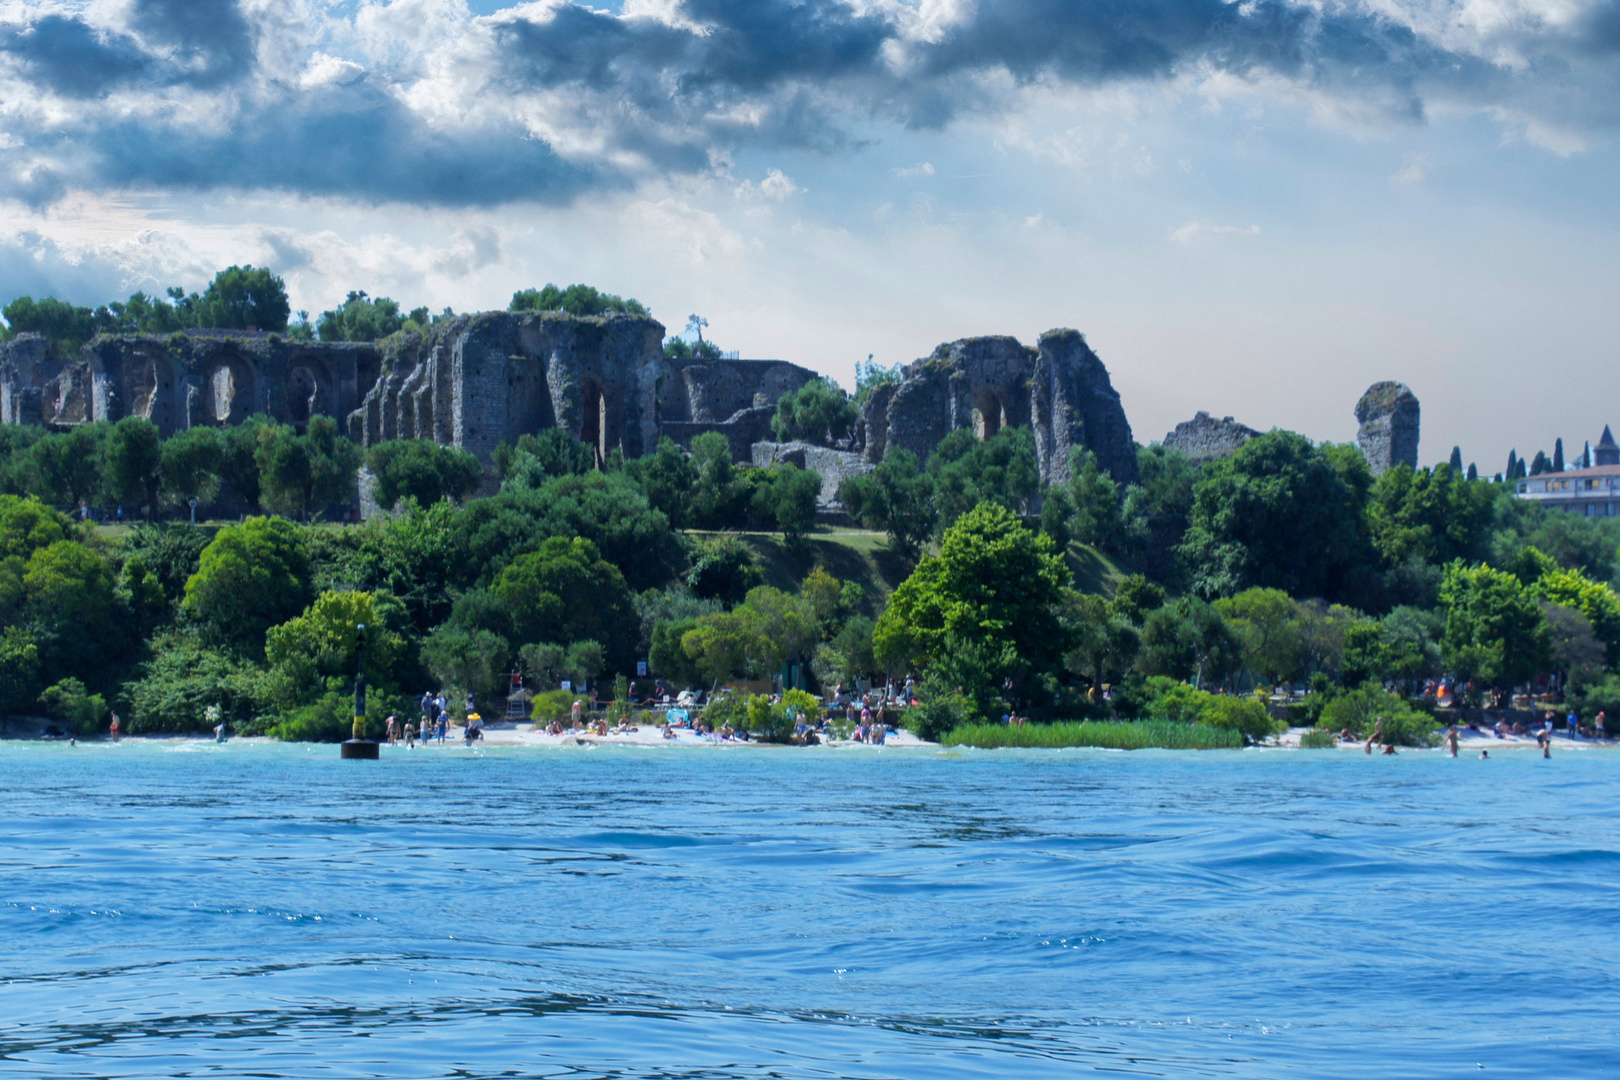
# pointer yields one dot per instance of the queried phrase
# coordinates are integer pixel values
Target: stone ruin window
(988, 416)
(593, 418)
(303, 393)
(221, 394)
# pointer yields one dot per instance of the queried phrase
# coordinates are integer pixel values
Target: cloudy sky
(1253, 208)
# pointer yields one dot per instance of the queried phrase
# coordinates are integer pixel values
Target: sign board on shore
(568, 684)
(641, 669)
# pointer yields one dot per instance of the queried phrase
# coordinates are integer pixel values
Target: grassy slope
(864, 557)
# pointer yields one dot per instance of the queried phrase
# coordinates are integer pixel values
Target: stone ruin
(1059, 389)
(184, 380)
(480, 380)
(1388, 413)
(476, 381)
(1204, 438)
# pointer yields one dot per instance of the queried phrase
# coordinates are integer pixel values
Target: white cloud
(1416, 169)
(326, 70)
(776, 187)
(922, 168)
(1195, 231)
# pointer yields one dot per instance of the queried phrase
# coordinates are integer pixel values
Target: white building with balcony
(1592, 491)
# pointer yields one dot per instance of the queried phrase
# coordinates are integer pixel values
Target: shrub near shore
(1107, 734)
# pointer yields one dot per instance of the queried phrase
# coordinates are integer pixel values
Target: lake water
(186, 909)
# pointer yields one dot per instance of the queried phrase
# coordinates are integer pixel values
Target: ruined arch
(989, 414)
(226, 391)
(308, 387)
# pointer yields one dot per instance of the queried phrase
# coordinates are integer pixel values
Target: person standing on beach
(1377, 735)
(444, 725)
(115, 725)
(1573, 722)
(410, 735)
(1451, 739)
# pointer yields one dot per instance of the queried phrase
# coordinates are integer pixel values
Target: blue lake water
(186, 909)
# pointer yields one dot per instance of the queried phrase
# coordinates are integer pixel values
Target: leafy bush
(79, 711)
(1360, 710)
(940, 710)
(1319, 739)
(331, 719)
(1244, 715)
(553, 705)
(184, 678)
(1113, 735)
(726, 709)
(775, 722)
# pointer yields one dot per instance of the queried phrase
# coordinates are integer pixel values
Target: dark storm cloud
(72, 58)
(209, 40)
(734, 74)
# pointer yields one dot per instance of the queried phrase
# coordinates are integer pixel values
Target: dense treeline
(570, 571)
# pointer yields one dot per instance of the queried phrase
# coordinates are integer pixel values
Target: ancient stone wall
(835, 466)
(184, 380)
(1389, 416)
(479, 380)
(1204, 438)
(1060, 389)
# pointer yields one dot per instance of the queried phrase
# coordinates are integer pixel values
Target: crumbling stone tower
(1389, 414)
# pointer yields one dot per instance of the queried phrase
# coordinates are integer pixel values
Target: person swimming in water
(1484, 755)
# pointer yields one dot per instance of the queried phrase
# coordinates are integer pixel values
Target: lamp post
(358, 747)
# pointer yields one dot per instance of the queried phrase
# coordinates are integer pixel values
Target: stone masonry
(198, 378)
(1389, 415)
(479, 380)
(1060, 389)
(1204, 438)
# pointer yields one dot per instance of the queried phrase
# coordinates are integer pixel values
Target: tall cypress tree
(1558, 455)
(1456, 459)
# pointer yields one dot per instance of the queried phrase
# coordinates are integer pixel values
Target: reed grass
(1112, 735)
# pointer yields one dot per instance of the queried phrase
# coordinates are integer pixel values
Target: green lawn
(857, 555)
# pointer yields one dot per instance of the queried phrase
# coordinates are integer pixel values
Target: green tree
(1593, 599)
(1268, 631)
(466, 658)
(251, 577)
(666, 477)
(1280, 513)
(190, 465)
(967, 471)
(1096, 499)
(245, 298)
(1494, 633)
(870, 377)
(1103, 641)
(787, 495)
(238, 460)
(69, 464)
(718, 496)
(361, 318)
(1432, 515)
(896, 497)
(422, 470)
(993, 593)
(19, 671)
(724, 645)
(1155, 511)
(132, 460)
(605, 508)
(65, 326)
(1188, 640)
(300, 472)
(818, 412)
(567, 592)
(575, 300)
(537, 458)
(724, 569)
(322, 643)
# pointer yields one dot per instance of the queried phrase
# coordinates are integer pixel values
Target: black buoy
(358, 747)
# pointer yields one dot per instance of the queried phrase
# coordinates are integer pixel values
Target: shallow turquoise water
(184, 909)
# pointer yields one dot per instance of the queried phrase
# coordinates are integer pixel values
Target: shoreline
(508, 733)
